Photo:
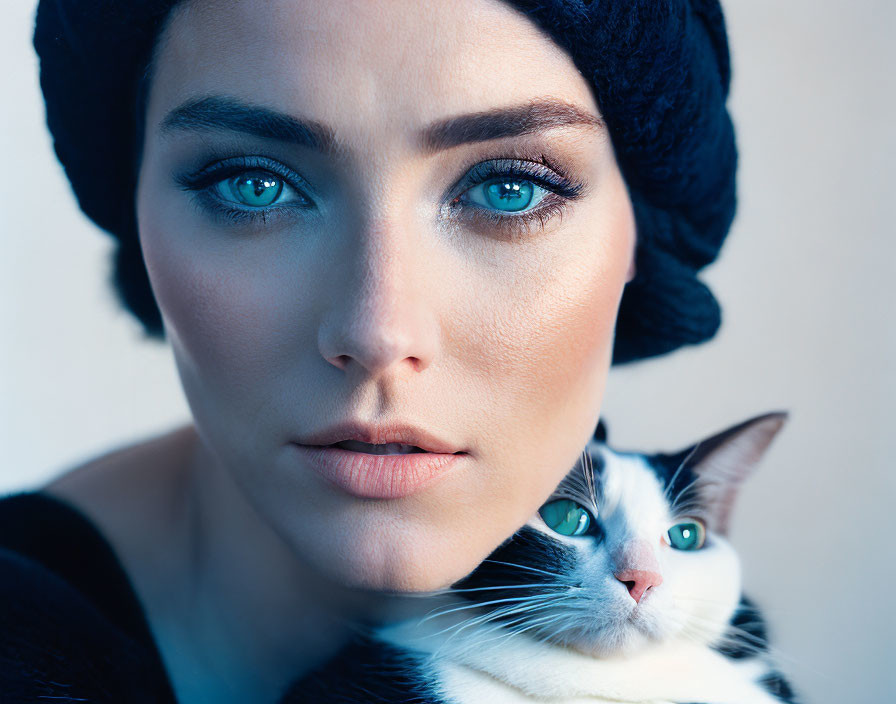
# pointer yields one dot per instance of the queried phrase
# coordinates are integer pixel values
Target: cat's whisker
(675, 505)
(476, 638)
(451, 590)
(534, 605)
(702, 630)
(523, 614)
(511, 610)
(561, 579)
(512, 586)
(478, 604)
(508, 625)
(538, 623)
(681, 466)
(588, 471)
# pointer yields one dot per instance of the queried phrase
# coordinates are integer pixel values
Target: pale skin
(380, 303)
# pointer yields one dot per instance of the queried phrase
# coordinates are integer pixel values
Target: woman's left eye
(509, 195)
(687, 535)
(513, 193)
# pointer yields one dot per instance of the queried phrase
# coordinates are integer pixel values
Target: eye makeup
(532, 173)
(559, 191)
(202, 184)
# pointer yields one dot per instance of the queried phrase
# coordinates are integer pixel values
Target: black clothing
(72, 628)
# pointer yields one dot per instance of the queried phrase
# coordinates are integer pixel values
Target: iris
(566, 517)
(251, 188)
(506, 194)
(688, 535)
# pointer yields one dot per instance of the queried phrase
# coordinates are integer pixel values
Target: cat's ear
(722, 461)
(600, 433)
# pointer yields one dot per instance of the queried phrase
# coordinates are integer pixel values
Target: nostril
(638, 582)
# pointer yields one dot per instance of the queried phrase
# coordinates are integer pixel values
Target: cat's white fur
(654, 651)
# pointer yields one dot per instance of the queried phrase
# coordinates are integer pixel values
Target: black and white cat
(622, 588)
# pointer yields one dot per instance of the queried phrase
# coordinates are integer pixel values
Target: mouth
(391, 448)
(387, 471)
(390, 438)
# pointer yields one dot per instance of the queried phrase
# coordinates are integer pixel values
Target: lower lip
(378, 476)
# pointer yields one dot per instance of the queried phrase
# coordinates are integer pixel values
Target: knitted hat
(659, 70)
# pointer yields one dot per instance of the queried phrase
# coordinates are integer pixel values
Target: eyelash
(560, 191)
(201, 183)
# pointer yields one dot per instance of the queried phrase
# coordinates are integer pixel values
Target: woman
(433, 224)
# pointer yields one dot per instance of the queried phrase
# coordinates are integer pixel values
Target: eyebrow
(215, 113)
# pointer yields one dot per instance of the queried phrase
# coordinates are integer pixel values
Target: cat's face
(630, 549)
(648, 565)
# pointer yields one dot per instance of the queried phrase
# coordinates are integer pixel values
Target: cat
(621, 588)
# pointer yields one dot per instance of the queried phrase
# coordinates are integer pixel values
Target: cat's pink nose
(639, 581)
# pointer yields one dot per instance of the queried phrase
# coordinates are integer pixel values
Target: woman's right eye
(247, 189)
(255, 189)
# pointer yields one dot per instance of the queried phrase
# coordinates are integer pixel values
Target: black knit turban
(660, 74)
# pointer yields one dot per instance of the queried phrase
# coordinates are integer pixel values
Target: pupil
(510, 195)
(257, 190)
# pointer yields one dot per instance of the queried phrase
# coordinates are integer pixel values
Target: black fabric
(73, 629)
(366, 672)
(660, 71)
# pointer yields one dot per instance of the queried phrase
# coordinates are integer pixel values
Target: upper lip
(380, 435)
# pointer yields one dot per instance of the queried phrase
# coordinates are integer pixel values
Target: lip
(380, 434)
(370, 476)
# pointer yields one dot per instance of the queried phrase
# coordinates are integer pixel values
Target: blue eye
(509, 195)
(255, 189)
(246, 189)
(512, 194)
(566, 517)
(687, 535)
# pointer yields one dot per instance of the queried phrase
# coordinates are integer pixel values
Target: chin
(381, 564)
(620, 637)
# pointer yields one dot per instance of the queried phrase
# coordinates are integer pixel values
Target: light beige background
(806, 283)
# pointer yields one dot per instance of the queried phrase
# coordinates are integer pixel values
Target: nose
(637, 567)
(384, 312)
(639, 581)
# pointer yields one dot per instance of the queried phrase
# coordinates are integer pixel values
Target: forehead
(371, 70)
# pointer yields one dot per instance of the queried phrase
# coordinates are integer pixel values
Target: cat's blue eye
(687, 535)
(507, 195)
(566, 517)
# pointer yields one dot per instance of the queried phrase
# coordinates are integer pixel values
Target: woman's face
(384, 274)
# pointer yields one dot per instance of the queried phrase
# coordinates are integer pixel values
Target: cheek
(225, 311)
(545, 350)
(232, 331)
(705, 587)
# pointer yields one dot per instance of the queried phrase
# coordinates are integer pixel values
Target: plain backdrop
(805, 280)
